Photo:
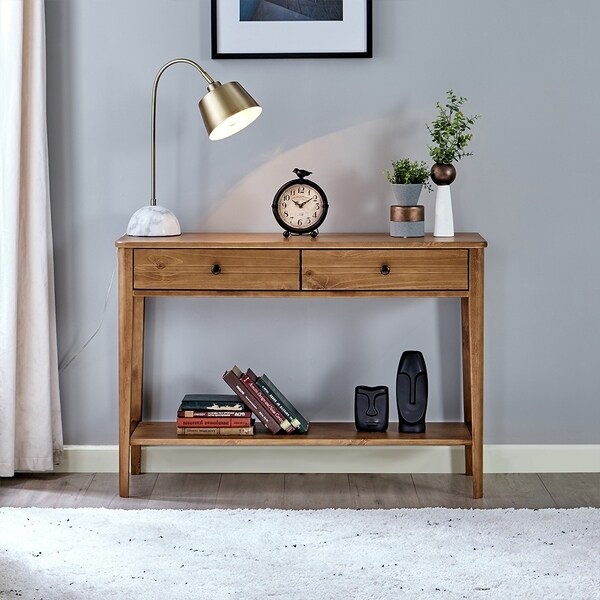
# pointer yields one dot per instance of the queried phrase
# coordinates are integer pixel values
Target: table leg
(125, 363)
(472, 310)
(137, 377)
(466, 368)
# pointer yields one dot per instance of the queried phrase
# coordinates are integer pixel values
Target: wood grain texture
(386, 490)
(104, 492)
(362, 490)
(508, 490)
(126, 360)
(503, 490)
(571, 490)
(235, 269)
(385, 269)
(474, 356)
(137, 376)
(64, 490)
(249, 490)
(317, 491)
(185, 490)
(324, 240)
(163, 433)
(333, 265)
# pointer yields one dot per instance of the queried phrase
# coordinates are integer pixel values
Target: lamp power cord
(66, 361)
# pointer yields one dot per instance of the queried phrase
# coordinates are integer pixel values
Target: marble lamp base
(153, 221)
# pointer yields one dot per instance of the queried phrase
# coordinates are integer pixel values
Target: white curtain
(30, 423)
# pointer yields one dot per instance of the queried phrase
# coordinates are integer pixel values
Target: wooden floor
(301, 491)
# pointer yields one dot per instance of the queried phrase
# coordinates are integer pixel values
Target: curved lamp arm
(225, 109)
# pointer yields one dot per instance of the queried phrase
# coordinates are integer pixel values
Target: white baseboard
(416, 459)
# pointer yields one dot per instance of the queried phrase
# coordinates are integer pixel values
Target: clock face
(300, 206)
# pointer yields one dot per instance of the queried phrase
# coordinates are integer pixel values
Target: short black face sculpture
(371, 408)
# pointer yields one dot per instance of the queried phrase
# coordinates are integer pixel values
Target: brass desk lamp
(225, 109)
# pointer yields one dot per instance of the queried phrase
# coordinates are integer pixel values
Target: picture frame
(292, 29)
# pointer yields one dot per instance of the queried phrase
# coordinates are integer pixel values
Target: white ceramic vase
(444, 221)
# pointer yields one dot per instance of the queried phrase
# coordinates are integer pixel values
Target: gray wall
(526, 67)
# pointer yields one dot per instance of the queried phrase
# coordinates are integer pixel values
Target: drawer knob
(385, 270)
(215, 269)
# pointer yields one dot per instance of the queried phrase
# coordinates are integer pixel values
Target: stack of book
(213, 414)
(265, 400)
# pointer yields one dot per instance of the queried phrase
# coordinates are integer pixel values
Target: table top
(304, 242)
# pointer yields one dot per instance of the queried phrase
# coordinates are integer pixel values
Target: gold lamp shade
(227, 109)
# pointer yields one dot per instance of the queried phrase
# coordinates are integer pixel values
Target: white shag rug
(445, 554)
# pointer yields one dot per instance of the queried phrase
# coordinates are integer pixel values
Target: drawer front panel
(216, 269)
(385, 270)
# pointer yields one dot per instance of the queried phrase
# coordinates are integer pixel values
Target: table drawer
(216, 269)
(382, 270)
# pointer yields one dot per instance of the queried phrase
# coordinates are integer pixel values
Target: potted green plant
(408, 179)
(451, 133)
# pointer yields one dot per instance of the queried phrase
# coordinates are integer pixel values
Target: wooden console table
(331, 265)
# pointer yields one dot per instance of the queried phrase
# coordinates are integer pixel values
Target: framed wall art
(292, 28)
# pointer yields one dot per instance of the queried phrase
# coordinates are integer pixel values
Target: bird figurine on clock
(300, 205)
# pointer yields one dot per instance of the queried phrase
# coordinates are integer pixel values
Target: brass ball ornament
(443, 174)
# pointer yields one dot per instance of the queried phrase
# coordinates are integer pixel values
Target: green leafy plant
(450, 130)
(407, 171)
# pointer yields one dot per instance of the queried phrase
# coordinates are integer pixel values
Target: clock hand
(306, 202)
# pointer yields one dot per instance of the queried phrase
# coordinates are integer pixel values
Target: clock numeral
(285, 212)
(284, 205)
(315, 215)
(293, 192)
(318, 207)
(286, 197)
(301, 190)
(300, 222)
(308, 221)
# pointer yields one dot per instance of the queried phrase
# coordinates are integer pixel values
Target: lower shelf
(163, 433)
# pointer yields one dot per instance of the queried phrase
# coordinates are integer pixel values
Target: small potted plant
(451, 133)
(408, 179)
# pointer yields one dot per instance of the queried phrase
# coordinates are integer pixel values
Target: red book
(214, 422)
(266, 402)
(232, 379)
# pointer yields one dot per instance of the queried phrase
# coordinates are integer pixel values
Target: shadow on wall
(359, 199)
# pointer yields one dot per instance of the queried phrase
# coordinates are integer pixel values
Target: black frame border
(368, 53)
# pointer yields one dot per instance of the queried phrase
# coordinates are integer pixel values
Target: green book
(285, 406)
(211, 402)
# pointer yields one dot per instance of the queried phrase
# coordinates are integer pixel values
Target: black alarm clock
(300, 205)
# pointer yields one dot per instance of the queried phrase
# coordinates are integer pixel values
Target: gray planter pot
(407, 194)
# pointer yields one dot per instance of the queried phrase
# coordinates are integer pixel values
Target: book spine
(215, 430)
(211, 402)
(212, 406)
(273, 410)
(304, 423)
(214, 422)
(240, 389)
(199, 414)
(284, 410)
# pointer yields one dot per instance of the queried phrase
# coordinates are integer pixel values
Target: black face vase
(411, 392)
(371, 408)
